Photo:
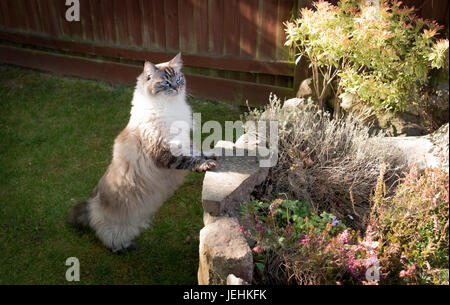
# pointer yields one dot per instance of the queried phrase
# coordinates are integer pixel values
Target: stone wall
(225, 255)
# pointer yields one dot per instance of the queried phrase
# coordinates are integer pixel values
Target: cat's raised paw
(206, 165)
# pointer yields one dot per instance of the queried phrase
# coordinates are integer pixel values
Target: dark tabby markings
(196, 164)
(170, 72)
(163, 158)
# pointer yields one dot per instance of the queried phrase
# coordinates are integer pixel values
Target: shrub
(412, 228)
(383, 54)
(334, 164)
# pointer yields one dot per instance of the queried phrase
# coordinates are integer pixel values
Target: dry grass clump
(331, 163)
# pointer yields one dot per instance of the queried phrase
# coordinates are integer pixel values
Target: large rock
(293, 102)
(305, 89)
(400, 123)
(224, 251)
(424, 151)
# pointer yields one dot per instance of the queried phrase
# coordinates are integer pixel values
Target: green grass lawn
(56, 142)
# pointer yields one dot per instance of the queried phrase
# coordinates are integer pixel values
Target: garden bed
(296, 240)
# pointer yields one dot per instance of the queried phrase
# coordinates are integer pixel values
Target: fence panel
(235, 46)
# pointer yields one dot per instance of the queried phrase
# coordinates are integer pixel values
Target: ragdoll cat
(143, 172)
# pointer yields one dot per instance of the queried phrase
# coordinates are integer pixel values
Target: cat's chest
(177, 117)
(167, 118)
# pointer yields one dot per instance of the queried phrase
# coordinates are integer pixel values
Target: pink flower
(343, 237)
(274, 205)
(258, 249)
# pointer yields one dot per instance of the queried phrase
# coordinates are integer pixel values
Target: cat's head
(164, 78)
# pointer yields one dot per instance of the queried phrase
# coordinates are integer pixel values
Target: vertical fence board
(86, 20)
(64, 25)
(171, 19)
(33, 15)
(107, 18)
(201, 25)
(97, 20)
(148, 21)
(21, 15)
(216, 19)
(121, 21)
(284, 12)
(134, 9)
(231, 27)
(248, 23)
(11, 11)
(49, 18)
(186, 23)
(57, 11)
(160, 24)
(2, 18)
(268, 34)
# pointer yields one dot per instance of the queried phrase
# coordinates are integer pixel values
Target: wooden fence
(233, 49)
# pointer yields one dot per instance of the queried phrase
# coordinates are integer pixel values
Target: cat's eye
(164, 83)
(178, 79)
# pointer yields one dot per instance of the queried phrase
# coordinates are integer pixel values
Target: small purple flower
(335, 222)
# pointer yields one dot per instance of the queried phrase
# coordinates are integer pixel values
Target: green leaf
(260, 266)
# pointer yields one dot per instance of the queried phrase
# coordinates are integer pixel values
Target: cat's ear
(149, 69)
(176, 62)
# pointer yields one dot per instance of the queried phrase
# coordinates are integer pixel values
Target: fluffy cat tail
(79, 215)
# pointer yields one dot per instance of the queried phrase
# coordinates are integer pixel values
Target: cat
(143, 172)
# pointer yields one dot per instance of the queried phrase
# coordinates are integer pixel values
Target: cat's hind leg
(115, 231)
(118, 238)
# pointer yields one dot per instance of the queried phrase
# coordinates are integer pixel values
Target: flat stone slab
(231, 181)
(224, 251)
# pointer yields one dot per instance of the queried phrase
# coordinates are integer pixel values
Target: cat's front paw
(206, 165)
